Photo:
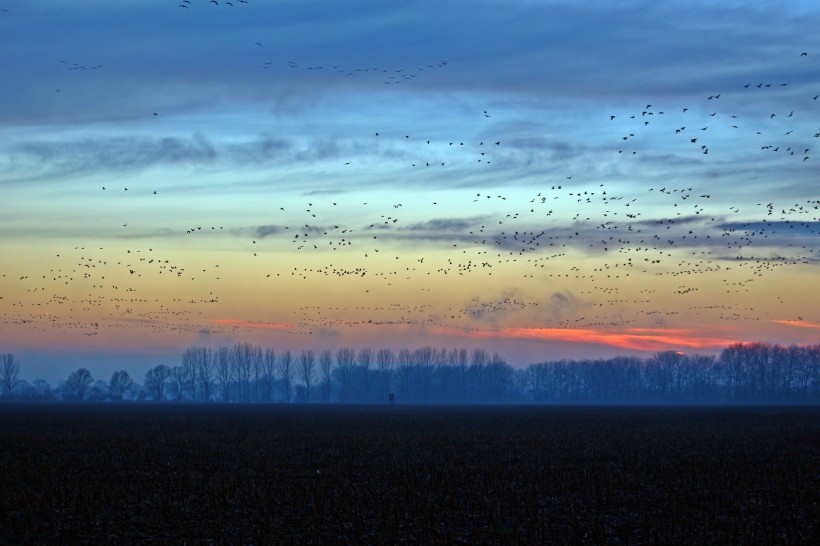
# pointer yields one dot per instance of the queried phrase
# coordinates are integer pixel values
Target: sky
(545, 180)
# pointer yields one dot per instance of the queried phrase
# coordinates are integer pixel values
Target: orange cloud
(798, 323)
(640, 339)
(248, 324)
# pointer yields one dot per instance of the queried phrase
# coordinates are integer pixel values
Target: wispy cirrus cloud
(237, 323)
(798, 324)
(90, 155)
(773, 228)
(442, 224)
(639, 339)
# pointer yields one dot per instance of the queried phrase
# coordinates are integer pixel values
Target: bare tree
(443, 373)
(77, 384)
(384, 361)
(326, 371)
(461, 373)
(518, 385)
(663, 368)
(258, 365)
(424, 358)
(242, 364)
(204, 372)
(177, 380)
(119, 385)
(345, 359)
(286, 374)
(42, 389)
(499, 379)
(801, 357)
(222, 365)
(9, 372)
(540, 380)
(405, 373)
(190, 360)
(365, 361)
(477, 367)
(155, 381)
(98, 391)
(306, 365)
(270, 372)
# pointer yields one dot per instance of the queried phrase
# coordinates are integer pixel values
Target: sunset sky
(556, 179)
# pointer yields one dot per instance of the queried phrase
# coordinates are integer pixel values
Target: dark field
(362, 475)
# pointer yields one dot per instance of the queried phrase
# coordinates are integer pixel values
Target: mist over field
(245, 373)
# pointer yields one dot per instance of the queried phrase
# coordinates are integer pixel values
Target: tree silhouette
(77, 384)
(745, 373)
(270, 373)
(326, 373)
(306, 365)
(177, 382)
(204, 371)
(458, 359)
(365, 360)
(119, 384)
(222, 365)
(42, 389)
(286, 374)
(345, 360)
(242, 359)
(384, 362)
(155, 381)
(190, 360)
(405, 375)
(9, 372)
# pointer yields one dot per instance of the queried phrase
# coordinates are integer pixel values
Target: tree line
(247, 373)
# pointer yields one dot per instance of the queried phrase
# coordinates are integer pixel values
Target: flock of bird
(775, 131)
(597, 237)
(392, 75)
(187, 3)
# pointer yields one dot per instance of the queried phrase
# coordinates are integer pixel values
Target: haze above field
(541, 179)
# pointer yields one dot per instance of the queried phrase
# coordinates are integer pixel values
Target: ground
(387, 475)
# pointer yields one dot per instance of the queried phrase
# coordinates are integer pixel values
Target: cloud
(666, 233)
(72, 157)
(561, 304)
(442, 224)
(512, 305)
(798, 324)
(236, 323)
(326, 334)
(264, 231)
(442, 230)
(69, 157)
(776, 227)
(535, 49)
(640, 339)
(494, 310)
(323, 192)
